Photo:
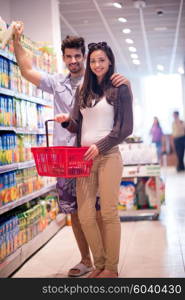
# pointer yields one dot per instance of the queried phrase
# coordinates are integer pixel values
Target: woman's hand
(60, 118)
(118, 79)
(91, 153)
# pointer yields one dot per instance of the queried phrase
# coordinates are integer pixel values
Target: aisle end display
(142, 190)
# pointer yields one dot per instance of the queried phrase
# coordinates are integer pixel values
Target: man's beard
(76, 69)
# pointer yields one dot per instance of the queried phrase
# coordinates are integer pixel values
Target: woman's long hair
(91, 89)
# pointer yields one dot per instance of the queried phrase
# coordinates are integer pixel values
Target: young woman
(157, 134)
(102, 118)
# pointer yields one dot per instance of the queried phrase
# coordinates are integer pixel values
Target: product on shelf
(9, 231)
(24, 223)
(17, 184)
(17, 148)
(141, 196)
(138, 153)
(4, 72)
(6, 33)
(151, 192)
(8, 189)
(127, 195)
(140, 193)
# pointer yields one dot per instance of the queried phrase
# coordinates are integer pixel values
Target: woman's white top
(97, 122)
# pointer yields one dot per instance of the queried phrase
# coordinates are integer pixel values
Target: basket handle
(46, 128)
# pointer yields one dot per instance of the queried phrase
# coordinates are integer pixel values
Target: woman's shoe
(107, 274)
(79, 270)
(94, 273)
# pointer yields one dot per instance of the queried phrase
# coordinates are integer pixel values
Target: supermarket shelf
(5, 128)
(27, 198)
(145, 170)
(15, 260)
(9, 92)
(26, 164)
(20, 130)
(26, 131)
(15, 166)
(138, 214)
(7, 168)
(141, 170)
(6, 55)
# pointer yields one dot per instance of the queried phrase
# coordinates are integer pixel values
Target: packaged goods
(4, 72)
(141, 196)
(22, 225)
(151, 192)
(5, 33)
(8, 236)
(7, 148)
(127, 195)
(138, 153)
(8, 191)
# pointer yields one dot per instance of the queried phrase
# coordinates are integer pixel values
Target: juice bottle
(2, 242)
(13, 112)
(1, 70)
(1, 151)
(5, 111)
(2, 110)
(5, 73)
(10, 110)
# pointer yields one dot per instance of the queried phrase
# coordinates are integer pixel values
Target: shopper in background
(178, 133)
(157, 134)
(63, 89)
(102, 118)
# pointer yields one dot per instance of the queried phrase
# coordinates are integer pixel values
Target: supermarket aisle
(148, 248)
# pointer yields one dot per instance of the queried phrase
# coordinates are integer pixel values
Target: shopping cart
(61, 161)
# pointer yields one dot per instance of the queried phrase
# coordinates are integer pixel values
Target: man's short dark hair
(176, 113)
(73, 42)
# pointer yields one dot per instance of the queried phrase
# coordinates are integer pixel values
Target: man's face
(176, 116)
(74, 60)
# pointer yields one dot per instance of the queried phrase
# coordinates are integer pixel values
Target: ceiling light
(139, 4)
(129, 41)
(117, 5)
(160, 28)
(132, 49)
(136, 61)
(134, 55)
(126, 30)
(181, 70)
(160, 67)
(123, 20)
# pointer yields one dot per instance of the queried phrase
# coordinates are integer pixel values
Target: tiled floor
(148, 248)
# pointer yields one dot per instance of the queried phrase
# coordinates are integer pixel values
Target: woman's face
(99, 63)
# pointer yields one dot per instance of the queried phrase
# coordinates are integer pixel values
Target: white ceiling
(159, 39)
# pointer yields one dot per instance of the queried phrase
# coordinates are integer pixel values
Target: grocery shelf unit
(135, 171)
(16, 259)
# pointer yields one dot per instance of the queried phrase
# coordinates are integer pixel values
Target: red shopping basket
(61, 161)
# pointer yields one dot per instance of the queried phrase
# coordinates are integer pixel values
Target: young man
(178, 132)
(63, 89)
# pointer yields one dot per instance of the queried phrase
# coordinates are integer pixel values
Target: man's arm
(23, 58)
